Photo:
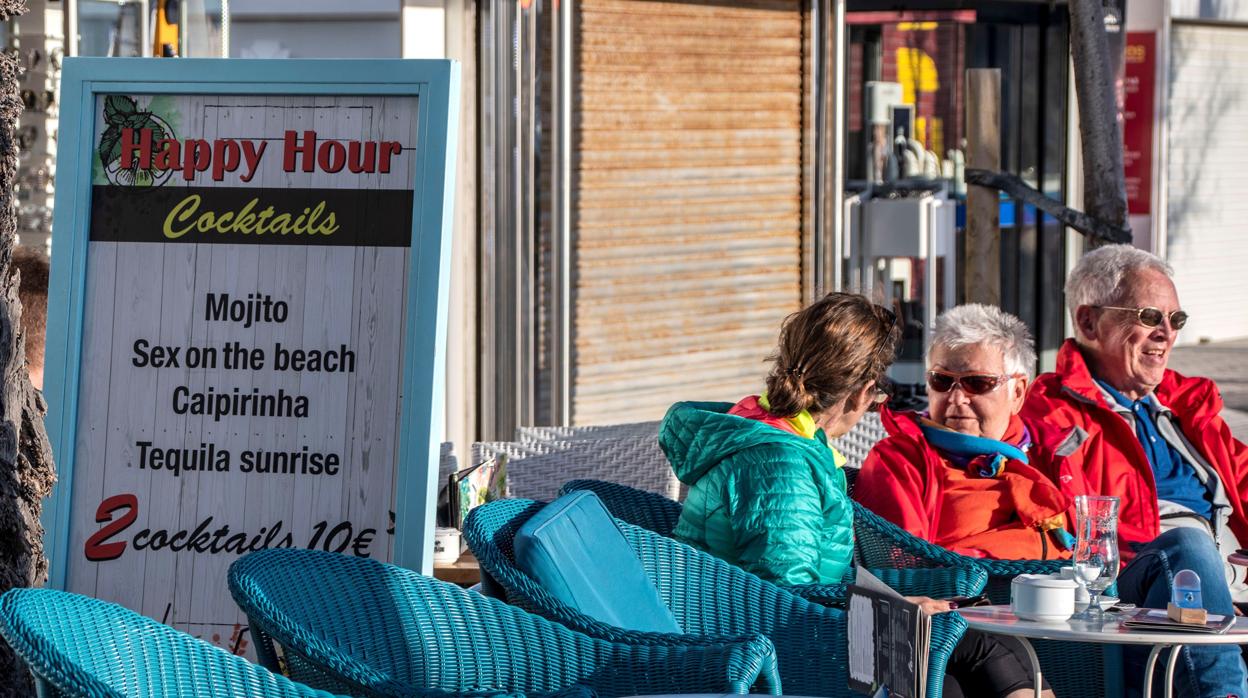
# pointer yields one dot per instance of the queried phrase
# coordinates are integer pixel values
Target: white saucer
(1107, 602)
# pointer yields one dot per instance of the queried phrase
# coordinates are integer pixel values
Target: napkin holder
(1192, 616)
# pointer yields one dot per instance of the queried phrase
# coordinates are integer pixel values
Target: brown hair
(829, 349)
(32, 264)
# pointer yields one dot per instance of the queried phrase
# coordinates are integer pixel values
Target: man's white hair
(1098, 277)
(975, 323)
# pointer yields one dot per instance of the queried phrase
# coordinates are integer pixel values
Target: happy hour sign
(244, 341)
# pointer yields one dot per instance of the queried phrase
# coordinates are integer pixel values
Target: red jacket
(1114, 462)
(1010, 516)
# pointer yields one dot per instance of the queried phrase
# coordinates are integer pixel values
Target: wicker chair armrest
(867, 521)
(1013, 568)
(936, 582)
(823, 594)
(573, 691)
(744, 665)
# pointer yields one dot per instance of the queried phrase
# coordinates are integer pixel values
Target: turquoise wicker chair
(880, 543)
(709, 598)
(80, 646)
(371, 629)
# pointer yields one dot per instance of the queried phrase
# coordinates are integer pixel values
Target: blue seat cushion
(574, 550)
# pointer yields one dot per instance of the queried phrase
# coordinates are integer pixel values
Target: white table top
(999, 620)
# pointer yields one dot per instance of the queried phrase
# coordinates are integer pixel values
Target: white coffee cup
(1042, 597)
(447, 544)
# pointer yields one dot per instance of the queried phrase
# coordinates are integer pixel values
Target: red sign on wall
(1137, 120)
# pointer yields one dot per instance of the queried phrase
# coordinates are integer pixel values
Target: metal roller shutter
(1208, 149)
(686, 197)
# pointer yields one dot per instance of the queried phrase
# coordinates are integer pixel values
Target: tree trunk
(1104, 182)
(26, 468)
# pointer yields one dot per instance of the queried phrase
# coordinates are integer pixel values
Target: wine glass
(1096, 549)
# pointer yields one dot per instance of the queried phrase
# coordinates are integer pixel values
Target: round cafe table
(998, 620)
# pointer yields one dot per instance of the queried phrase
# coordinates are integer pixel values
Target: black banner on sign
(246, 216)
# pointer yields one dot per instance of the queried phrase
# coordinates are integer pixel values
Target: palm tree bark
(1104, 181)
(27, 472)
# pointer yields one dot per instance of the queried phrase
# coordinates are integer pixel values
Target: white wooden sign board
(246, 337)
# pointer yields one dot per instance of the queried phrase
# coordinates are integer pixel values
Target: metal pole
(145, 29)
(225, 28)
(817, 93)
(561, 209)
(514, 260)
(526, 208)
(838, 144)
(70, 22)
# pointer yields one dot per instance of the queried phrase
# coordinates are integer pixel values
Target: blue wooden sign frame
(435, 83)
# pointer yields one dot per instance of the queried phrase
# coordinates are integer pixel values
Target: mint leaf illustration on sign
(120, 113)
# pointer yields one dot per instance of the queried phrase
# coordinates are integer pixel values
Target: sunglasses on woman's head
(878, 398)
(975, 384)
(1152, 317)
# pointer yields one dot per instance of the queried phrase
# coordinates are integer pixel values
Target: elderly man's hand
(929, 605)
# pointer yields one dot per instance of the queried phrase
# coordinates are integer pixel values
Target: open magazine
(1157, 619)
(889, 640)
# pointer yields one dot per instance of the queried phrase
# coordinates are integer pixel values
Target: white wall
(1227, 10)
(426, 31)
(315, 39)
(1207, 152)
(1202, 158)
(313, 8)
(315, 29)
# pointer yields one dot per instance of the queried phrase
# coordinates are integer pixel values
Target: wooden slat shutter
(686, 198)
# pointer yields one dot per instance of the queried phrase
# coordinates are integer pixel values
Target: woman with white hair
(964, 475)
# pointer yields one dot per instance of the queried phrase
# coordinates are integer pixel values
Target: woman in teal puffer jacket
(766, 490)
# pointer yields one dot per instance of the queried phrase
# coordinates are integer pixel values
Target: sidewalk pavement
(1227, 364)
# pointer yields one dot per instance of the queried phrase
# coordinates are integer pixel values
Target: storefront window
(906, 154)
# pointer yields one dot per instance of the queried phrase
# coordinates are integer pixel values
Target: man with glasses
(1156, 439)
(1151, 437)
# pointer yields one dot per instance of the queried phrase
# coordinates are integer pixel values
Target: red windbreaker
(1010, 516)
(1114, 462)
